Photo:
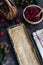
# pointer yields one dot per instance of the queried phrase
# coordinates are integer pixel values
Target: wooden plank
(23, 46)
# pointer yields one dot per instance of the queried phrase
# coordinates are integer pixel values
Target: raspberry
(2, 20)
(2, 34)
(17, 20)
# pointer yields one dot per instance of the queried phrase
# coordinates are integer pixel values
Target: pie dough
(23, 46)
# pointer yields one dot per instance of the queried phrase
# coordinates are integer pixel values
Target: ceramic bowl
(31, 22)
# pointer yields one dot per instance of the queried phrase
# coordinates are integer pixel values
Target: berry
(2, 20)
(2, 34)
(17, 20)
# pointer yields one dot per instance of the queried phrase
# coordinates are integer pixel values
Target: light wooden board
(23, 46)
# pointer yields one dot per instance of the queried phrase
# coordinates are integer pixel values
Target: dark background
(30, 29)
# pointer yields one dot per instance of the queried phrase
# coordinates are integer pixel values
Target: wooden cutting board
(23, 46)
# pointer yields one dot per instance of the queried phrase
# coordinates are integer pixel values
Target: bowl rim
(31, 22)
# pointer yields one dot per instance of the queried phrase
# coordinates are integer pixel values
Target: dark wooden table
(30, 29)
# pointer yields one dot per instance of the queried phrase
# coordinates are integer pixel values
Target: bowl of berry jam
(30, 14)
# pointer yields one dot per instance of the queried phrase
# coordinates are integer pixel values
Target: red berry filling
(31, 12)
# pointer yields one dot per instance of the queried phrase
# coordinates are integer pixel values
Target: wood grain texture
(23, 46)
